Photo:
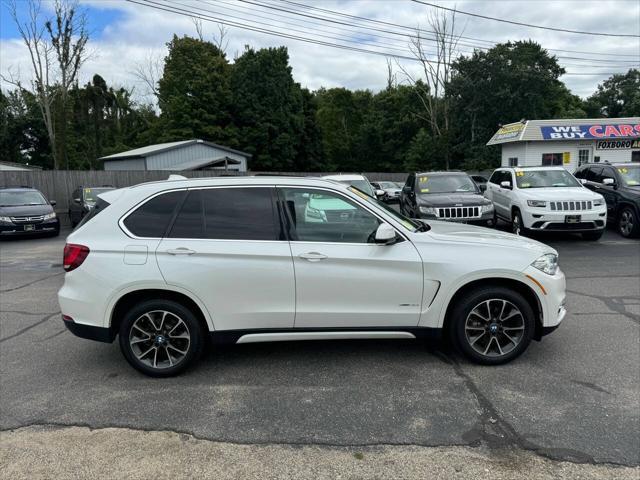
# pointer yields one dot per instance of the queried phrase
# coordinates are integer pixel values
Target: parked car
(391, 191)
(451, 196)
(25, 210)
(619, 184)
(83, 199)
(480, 181)
(361, 182)
(162, 265)
(546, 199)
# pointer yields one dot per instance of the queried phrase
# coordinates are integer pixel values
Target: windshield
(91, 194)
(406, 222)
(25, 197)
(362, 185)
(387, 185)
(630, 175)
(445, 184)
(545, 179)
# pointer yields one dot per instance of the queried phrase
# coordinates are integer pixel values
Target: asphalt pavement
(574, 397)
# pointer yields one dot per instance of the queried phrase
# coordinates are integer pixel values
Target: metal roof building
(179, 156)
(569, 142)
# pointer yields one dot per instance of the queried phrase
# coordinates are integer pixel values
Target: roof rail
(174, 176)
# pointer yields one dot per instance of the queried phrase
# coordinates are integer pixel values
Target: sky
(125, 35)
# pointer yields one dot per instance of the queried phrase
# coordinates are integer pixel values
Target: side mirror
(385, 234)
(506, 184)
(380, 193)
(406, 189)
(77, 200)
(483, 187)
(52, 203)
(608, 181)
(583, 181)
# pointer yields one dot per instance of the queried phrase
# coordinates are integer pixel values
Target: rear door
(227, 247)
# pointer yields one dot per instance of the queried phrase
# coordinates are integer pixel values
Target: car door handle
(180, 251)
(313, 256)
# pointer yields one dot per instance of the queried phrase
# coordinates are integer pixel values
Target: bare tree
(436, 71)
(69, 39)
(197, 22)
(56, 51)
(221, 41)
(149, 72)
(391, 77)
(40, 51)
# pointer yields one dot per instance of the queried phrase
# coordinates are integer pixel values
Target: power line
(209, 18)
(512, 22)
(414, 29)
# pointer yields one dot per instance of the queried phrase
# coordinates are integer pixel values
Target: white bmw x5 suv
(166, 266)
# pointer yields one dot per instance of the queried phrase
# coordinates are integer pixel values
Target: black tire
(517, 227)
(628, 223)
(593, 236)
(462, 321)
(155, 308)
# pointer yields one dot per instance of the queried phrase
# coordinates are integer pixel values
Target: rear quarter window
(151, 219)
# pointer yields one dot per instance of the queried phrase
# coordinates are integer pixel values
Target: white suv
(546, 199)
(166, 265)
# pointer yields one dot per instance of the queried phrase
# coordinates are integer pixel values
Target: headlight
(49, 216)
(599, 202)
(428, 210)
(547, 263)
(537, 203)
(487, 208)
(5, 219)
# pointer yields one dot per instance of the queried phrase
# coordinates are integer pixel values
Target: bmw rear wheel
(160, 338)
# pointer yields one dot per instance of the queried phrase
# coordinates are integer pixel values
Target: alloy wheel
(625, 223)
(159, 339)
(494, 327)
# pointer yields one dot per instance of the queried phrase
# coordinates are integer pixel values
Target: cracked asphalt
(574, 397)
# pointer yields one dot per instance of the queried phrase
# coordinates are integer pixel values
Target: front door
(226, 247)
(343, 278)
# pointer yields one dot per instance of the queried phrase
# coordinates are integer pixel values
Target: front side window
(323, 216)
(594, 174)
(545, 179)
(151, 219)
(242, 213)
(495, 177)
(21, 197)
(428, 184)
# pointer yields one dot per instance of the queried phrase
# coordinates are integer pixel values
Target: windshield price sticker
(520, 174)
(424, 190)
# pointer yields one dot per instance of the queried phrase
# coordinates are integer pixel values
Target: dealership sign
(509, 131)
(617, 144)
(579, 132)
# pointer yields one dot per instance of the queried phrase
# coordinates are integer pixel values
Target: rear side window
(228, 214)
(152, 218)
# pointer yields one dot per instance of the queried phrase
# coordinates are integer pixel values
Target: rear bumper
(90, 332)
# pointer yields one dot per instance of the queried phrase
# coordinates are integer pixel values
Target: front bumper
(551, 292)
(542, 220)
(47, 226)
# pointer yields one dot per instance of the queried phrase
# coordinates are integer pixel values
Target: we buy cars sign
(577, 132)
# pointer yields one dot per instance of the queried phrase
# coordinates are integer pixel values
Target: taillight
(74, 255)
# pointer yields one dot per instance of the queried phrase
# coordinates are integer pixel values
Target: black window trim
(288, 220)
(276, 214)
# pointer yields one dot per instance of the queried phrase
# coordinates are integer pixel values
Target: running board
(324, 335)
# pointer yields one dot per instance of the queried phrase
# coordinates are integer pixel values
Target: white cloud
(141, 31)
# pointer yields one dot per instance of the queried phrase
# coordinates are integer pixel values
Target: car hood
(462, 233)
(558, 193)
(451, 199)
(25, 210)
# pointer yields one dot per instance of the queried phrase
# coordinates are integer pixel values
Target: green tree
(194, 94)
(504, 84)
(268, 108)
(618, 96)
